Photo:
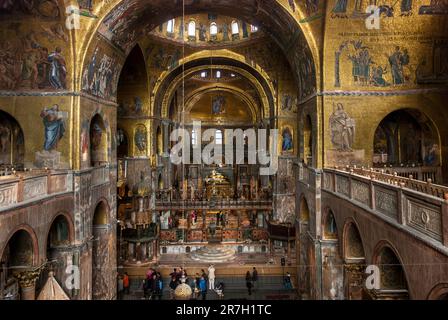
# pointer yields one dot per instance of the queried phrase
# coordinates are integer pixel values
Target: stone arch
(329, 226)
(99, 144)
(12, 141)
(160, 183)
(21, 254)
(58, 248)
(354, 261)
(122, 143)
(66, 237)
(133, 86)
(332, 261)
(353, 247)
(266, 13)
(21, 249)
(406, 136)
(439, 292)
(308, 150)
(304, 211)
(101, 213)
(159, 140)
(100, 249)
(393, 277)
(223, 60)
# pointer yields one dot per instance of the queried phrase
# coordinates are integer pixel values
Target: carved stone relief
(386, 202)
(360, 192)
(425, 218)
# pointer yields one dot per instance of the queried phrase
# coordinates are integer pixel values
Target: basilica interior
(346, 106)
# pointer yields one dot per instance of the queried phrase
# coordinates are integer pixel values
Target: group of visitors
(153, 285)
(251, 280)
(200, 283)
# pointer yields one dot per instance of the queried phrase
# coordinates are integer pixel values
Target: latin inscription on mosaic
(425, 218)
(386, 202)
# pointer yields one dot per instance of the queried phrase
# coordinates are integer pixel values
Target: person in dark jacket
(249, 283)
(254, 278)
(173, 285)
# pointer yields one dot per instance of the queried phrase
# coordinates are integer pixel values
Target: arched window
(213, 29)
(170, 26)
(192, 28)
(253, 28)
(235, 28)
(218, 74)
(218, 137)
(203, 74)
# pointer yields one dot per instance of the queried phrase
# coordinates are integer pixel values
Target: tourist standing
(159, 286)
(249, 283)
(255, 278)
(203, 274)
(203, 287)
(173, 286)
(126, 283)
(211, 277)
(120, 287)
(288, 283)
(197, 290)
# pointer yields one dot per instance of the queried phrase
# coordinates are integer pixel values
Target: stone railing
(100, 175)
(307, 175)
(24, 187)
(18, 188)
(416, 172)
(407, 181)
(415, 205)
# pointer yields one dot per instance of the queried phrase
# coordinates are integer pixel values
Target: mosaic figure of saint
(342, 129)
(54, 126)
(218, 105)
(397, 61)
(58, 69)
(340, 7)
(287, 140)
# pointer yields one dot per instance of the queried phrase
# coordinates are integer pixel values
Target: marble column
(27, 283)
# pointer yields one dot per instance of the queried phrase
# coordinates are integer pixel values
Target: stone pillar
(354, 281)
(27, 283)
(166, 138)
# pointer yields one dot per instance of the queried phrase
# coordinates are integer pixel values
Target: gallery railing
(415, 205)
(26, 186)
(22, 187)
(414, 172)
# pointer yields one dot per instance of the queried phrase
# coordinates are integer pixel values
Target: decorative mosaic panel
(168, 235)
(195, 235)
(386, 202)
(361, 192)
(259, 234)
(425, 218)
